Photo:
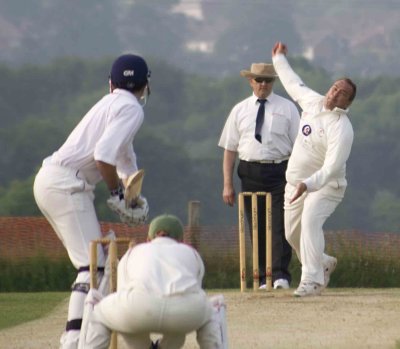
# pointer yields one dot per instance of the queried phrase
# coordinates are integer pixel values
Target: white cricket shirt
(105, 133)
(278, 132)
(325, 137)
(162, 267)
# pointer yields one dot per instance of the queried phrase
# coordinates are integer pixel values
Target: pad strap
(75, 324)
(87, 268)
(80, 287)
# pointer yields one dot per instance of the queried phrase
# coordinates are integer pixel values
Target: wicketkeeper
(159, 291)
(99, 148)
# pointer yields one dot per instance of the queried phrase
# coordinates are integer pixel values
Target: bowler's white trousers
(135, 314)
(66, 200)
(304, 220)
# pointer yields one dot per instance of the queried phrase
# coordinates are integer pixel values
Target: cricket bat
(133, 188)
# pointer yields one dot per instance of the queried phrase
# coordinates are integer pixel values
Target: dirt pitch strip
(340, 318)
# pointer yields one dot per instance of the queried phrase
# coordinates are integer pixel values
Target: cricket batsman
(100, 148)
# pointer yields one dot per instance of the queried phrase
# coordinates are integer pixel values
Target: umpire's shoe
(154, 345)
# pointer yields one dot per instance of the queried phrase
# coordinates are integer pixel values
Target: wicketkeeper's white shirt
(325, 137)
(162, 267)
(106, 134)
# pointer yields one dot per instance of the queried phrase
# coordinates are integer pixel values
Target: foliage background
(55, 58)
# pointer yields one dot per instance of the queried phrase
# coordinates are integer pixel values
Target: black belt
(267, 161)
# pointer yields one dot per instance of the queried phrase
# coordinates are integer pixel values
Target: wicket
(242, 243)
(113, 260)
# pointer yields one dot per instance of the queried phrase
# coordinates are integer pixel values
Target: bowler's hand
(278, 48)
(228, 195)
(300, 189)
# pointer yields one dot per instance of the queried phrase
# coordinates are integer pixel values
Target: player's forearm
(228, 166)
(109, 174)
(338, 152)
(292, 83)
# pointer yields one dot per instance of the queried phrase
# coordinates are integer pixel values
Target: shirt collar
(123, 92)
(340, 110)
(164, 240)
(336, 110)
(270, 98)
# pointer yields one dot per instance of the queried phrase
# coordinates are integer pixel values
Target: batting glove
(131, 216)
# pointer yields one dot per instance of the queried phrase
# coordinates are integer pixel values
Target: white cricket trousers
(66, 200)
(304, 220)
(136, 314)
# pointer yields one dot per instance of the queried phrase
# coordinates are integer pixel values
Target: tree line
(177, 145)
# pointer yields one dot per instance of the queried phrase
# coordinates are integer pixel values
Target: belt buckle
(272, 161)
(267, 161)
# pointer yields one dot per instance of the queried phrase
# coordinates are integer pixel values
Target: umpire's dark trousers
(255, 177)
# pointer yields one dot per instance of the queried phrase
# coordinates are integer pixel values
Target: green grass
(17, 308)
(36, 274)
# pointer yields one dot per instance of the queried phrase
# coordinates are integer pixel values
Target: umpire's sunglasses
(266, 80)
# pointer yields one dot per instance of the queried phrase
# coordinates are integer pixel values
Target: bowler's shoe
(308, 288)
(329, 268)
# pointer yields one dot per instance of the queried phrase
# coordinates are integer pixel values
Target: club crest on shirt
(306, 130)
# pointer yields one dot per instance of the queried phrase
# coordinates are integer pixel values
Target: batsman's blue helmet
(129, 71)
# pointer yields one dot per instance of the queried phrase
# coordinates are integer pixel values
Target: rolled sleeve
(293, 84)
(339, 147)
(121, 128)
(230, 136)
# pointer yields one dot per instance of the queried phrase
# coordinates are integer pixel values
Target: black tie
(260, 119)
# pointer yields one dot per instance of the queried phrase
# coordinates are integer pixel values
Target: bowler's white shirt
(278, 132)
(162, 267)
(325, 137)
(105, 134)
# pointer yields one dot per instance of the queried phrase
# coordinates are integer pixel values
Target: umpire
(261, 130)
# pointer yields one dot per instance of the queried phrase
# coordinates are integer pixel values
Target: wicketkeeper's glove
(131, 216)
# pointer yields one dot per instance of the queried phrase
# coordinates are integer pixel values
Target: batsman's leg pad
(110, 236)
(79, 288)
(94, 335)
(69, 340)
(104, 285)
(213, 334)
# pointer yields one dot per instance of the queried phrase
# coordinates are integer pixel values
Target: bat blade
(133, 188)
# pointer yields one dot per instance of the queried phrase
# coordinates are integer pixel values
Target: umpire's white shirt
(162, 267)
(325, 137)
(278, 132)
(106, 134)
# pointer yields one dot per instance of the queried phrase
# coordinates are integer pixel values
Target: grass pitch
(17, 308)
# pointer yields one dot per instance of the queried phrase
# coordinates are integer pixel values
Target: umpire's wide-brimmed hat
(167, 223)
(259, 70)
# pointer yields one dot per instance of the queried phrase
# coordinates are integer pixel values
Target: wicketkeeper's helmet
(169, 224)
(129, 71)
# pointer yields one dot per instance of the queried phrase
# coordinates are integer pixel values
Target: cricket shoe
(281, 284)
(154, 345)
(308, 288)
(329, 268)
